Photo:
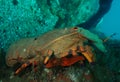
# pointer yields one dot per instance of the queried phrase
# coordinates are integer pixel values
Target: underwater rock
(104, 7)
(23, 18)
(2, 58)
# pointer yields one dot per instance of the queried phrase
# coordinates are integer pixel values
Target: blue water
(111, 21)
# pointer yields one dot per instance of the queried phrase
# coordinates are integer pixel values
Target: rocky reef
(104, 7)
(30, 18)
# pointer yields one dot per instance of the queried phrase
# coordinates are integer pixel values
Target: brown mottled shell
(59, 40)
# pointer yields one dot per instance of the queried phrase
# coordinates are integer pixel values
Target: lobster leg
(87, 52)
(63, 61)
(49, 54)
(22, 67)
(25, 65)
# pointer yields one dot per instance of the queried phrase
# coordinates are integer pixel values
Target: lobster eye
(75, 28)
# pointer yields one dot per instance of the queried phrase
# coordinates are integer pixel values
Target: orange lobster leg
(70, 61)
(64, 61)
(22, 67)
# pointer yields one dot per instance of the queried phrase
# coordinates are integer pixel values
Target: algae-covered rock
(29, 18)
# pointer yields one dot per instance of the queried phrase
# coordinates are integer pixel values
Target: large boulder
(28, 18)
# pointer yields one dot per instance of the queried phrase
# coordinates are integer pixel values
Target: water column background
(110, 23)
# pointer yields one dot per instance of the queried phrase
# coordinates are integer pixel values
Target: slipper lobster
(60, 43)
